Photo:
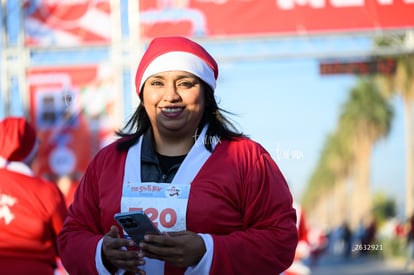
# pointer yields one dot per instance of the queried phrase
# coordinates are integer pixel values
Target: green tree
(339, 159)
(384, 207)
(326, 193)
(367, 115)
(402, 84)
(318, 191)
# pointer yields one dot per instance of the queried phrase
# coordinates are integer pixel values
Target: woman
(219, 198)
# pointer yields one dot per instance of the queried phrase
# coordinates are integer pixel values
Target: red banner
(215, 18)
(67, 23)
(74, 112)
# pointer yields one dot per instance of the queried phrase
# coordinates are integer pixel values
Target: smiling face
(174, 102)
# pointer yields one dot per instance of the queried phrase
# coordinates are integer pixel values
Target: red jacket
(239, 196)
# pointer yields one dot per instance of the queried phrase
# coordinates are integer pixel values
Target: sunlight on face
(174, 102)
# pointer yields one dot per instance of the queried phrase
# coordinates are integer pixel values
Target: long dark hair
(219, 127)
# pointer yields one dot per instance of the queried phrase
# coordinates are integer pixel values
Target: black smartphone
(136, 224)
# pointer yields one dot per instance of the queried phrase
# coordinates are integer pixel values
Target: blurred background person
(347, 240)
(410, 245)
(303, 249)
(369, 237)
(68, 185)
(32, 210)
(318, 242)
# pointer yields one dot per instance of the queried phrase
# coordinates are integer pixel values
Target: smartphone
(136, 224)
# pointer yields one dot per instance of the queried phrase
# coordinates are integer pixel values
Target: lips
(172, 112)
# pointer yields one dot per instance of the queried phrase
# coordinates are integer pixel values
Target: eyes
(185, 83)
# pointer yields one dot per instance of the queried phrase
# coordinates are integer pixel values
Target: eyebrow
(179, 76)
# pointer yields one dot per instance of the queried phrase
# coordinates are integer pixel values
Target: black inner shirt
(167, 162)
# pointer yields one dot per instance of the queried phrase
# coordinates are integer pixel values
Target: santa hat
(17, 139)
(176, 54)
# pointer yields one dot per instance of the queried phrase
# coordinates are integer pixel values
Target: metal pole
(4, 61)
(135, 50)
(23, 57)
(116, 55)
(409, 135)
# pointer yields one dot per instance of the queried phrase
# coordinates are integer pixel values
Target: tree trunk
(361, 203)
(340, 202)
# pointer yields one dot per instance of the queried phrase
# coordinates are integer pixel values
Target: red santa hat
(176, 54)
(17, 139)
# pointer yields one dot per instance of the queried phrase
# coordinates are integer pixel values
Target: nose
(171, 94)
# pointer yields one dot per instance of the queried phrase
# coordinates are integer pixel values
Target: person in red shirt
(303, 248)
(32, 210)
(219, 198)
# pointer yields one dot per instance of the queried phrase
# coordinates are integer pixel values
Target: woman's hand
(182, 248)
(115, 256)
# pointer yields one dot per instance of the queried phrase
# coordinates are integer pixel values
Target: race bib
(164, 203)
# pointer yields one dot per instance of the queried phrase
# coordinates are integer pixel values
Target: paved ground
(334, 265)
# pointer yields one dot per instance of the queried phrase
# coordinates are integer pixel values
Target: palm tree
(326, 194)
(318, 191)
(339, 158)
(402, 83)
(367, 115)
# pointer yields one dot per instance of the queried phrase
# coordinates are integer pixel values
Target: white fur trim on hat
(180, 61)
